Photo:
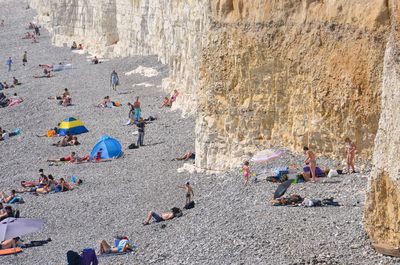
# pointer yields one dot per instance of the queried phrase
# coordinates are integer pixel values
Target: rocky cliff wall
(171, 29)
(259, 72)
(289, 73)
(382, 213)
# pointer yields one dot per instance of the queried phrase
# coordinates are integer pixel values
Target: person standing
(350, 154)
(24, 58)
(9, 63)
(311, 161)
(189, 192)
(37, 31)
(140, 126)
(114, 80)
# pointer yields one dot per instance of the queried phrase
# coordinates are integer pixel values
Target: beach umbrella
(282, 188)
(266, 155)
(13, 227)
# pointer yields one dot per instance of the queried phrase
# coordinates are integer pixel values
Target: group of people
(64, 99)
(311, 163)
(167, 102)
(5, 85)
(74, 46)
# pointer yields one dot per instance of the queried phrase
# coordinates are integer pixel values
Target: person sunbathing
(80, 46)
(69, 158)
(174, 95)
(74, 141)
(7, 86)
(46, 66)
(162, 217)
(123, 246)
(10, 243)
(63, 185)
(50, 186)
(50, 133)
(8, 212)
(105, 102)
(7, 199)
(187, 156)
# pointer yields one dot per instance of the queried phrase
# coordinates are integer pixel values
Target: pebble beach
(230, 224)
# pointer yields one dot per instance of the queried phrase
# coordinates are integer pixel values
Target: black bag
(190, 205)
(73, 258)
(133, 146)
(177, 212)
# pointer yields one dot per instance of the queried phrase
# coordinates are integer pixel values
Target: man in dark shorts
(162, 217)
(70, 157)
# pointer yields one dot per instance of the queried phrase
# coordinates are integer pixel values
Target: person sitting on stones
(187, 156)
(95, 60)
(74, 46)
(166, 103)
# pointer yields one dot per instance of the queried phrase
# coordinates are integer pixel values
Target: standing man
(24, 58)
(114, 80)
(350, 155)
(37, 31)
(9, 63)
(311, 161)
(140, 126)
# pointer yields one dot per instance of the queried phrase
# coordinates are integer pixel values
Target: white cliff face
(173, 30)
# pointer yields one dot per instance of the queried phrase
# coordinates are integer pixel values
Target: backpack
(177, 212)
(190, 205)
(73, 258)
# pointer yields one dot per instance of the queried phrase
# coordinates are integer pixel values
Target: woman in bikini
(311, 161)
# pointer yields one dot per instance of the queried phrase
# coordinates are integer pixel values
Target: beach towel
(292, 200)
(8, 251)
(62, 67)
(318, 171)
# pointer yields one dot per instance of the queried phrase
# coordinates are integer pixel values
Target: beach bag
(333, 173)
(73, 258)
(177, 212)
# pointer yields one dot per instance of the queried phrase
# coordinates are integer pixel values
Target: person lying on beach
(7, 198)
(10, 243)
(63, 95)
(50, 133)
(186, 156)
(46, 66)
(123, 246)
(62, 185)
(174, 95)
(46, 74)
(16, 82)
(8, 212)
(106, 101)
(7, 86)
(175, 212)
(71, 158)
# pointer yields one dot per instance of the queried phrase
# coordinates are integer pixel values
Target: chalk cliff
(265, 73)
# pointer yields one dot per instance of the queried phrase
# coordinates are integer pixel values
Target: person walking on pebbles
(140, 126)
(189, 192)
(311, 161)
(350, 155)
(114, 80)
(24, 58)
(9, 63)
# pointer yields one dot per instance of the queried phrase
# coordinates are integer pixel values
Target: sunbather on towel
(50, 133)
(65, 140)
(63, 185)
(69, 158)
(123, 246)
(105, 102)
(10, 243)
(8, 212)
(51, 186)
(7, 199)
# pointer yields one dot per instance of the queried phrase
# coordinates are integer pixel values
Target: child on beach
(189, 192)
(246, 172)
(350, 154)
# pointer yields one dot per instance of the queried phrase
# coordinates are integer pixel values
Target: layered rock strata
(289, 73)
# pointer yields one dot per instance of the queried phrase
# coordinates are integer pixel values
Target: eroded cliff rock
(382, 213)
(289, 73)
(171, 29)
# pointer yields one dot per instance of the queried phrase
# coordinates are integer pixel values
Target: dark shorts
(24, 60)
(192, 156)
(157, 217)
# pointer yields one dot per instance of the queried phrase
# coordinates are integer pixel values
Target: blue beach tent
(111, 148)
(72, 126)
